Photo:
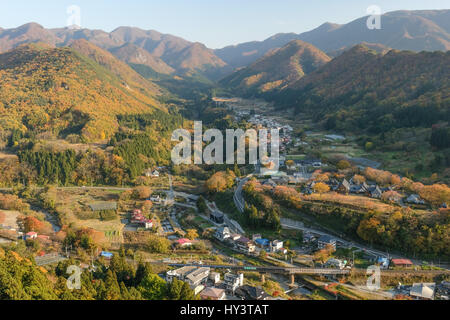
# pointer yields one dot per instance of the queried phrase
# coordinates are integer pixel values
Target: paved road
(238, 198)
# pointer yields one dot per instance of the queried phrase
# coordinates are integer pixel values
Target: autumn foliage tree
(321, 187)
(220, 181)
(142, 192)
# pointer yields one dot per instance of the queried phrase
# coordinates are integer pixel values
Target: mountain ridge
(277, 68)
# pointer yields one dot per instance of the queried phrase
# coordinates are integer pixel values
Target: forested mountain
(77, 90)
(161, 52)
(277, 69)
(404, 30)
(363, 90)
(135, 55)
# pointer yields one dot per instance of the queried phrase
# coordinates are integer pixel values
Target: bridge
(292, 271)
(281, 270)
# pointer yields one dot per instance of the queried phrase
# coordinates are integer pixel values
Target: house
(197, 277)
(270, 183)
(212, 294)
(194, 276)
(217, 217)
(375, 192)
(344, 187)
(308, 238)
(107, 255)
(31, 236)
(423, 291)
(235, 237)
(335, 263)
(43, 238)
(151, 173)
(180, 273)
(360, 188)
(276, 246)
(414, 199)
(155, 174)
(137, 218)
(402, 263)
(233, 281)
(256, 237)
(245, 245)
(214, 277)
(222, 233)
(326, 240)
(251, 293)
(183, 242)
(383, 262)
(262, 243)
(156, 199)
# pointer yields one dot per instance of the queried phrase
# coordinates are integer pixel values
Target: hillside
(45, 89)
(403, 30)
(278, 69)
(135, 55)
(379, 48)
(363, 90)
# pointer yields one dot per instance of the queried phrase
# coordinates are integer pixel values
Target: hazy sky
(216, 23)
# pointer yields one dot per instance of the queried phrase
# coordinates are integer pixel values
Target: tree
(358, 179)
(290, 163)
(321, 187)
(369, 146)
(158, 244)
(152, 287)
(343, 164)
(368, 229)
(191, 234)
(179, 290)
(142, 192)
(220, 181)
(201, 205)
(112, 291)
(324, 254)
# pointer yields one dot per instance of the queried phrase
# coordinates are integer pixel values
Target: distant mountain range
(277, 69)
(404, 30)
(167, 54)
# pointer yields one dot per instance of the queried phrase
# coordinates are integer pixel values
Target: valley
(88, 179)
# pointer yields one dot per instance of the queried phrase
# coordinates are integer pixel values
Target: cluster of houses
(246, 245)
(210, 286)
(137, 218)
(285, 130)
(369, 189)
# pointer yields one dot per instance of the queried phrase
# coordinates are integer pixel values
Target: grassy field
(74, 203)
(11, 219)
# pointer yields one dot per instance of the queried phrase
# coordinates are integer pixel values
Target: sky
(216, 23)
